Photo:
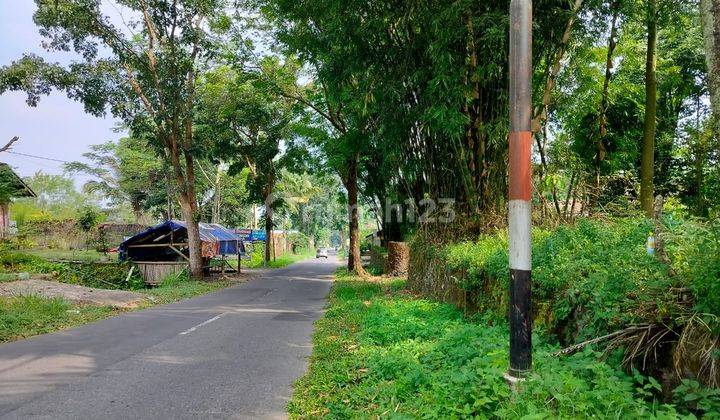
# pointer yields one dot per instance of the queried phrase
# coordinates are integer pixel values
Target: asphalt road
(229, 354)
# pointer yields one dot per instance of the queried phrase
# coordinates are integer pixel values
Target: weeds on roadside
(380, 352)
(25, 316)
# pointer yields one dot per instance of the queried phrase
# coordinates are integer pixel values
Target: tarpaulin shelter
(168, 241)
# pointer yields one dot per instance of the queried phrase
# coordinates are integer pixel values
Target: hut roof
(173, 233)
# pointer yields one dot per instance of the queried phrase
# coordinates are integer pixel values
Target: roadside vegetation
(178, 287)
(337, 121)
(382, 351)
(25, 316)
(70, 254)
(280, 261)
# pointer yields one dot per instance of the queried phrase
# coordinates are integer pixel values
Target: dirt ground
(74, 293)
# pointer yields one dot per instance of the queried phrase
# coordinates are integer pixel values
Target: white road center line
(215, 318)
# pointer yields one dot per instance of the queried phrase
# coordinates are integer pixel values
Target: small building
(163, 249)
(168, 241)
(11, 186)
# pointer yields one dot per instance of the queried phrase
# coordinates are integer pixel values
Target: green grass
(7, 277)
(25, 316)
(380, 352)
(279, 262)
(71, 255)
(174, 289)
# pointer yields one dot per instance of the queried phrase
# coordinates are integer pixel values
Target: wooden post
(4, 219)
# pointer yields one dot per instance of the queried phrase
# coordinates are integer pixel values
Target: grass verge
(173, 290)
(71, 255)
(25, 316)
(280, 261)
(381, 352)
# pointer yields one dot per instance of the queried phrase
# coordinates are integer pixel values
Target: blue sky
(57, 128)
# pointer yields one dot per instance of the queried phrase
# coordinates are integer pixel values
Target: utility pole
(520, 189)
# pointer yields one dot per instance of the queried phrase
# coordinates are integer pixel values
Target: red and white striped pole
(519, 221)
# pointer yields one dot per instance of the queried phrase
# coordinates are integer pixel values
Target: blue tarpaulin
(157, 242)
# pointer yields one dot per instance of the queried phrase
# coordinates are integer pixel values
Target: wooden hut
(163, 249)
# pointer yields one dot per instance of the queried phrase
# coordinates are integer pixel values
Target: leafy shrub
(694, 249)
(693, 397)
(588, 278)
(298, 240)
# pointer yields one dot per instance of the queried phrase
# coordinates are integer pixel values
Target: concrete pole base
(513, 381)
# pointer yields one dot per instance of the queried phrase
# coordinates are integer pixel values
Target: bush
(588, 278)
(694, 249)
(593, 278)
(299, 241)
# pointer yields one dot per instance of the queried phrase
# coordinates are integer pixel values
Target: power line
(37, 157)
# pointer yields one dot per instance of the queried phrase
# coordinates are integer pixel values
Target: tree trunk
(4, 219)
(217, 197)
(185, 181)
(354, 260)
(253, 217)
(710, 16)
(605, 102)
(700, 153)
(268, 232)
(136, 210)
(193, 230)
(647, 163)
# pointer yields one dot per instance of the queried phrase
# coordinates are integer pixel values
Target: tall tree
(605, 101)
(339, 133)
(647, 158)
(249, 123)
(710, 15)
(125, 173)
(143, 73)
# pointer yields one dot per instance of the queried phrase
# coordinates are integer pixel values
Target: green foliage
(57, 199)
(299, 241)
(694, 249)
(88, 219)
(697, 398)
(378, 350)
(126, 173)
(100, 275)
(25, 316)
(280, 261)
(68, 255)
(589, 278)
